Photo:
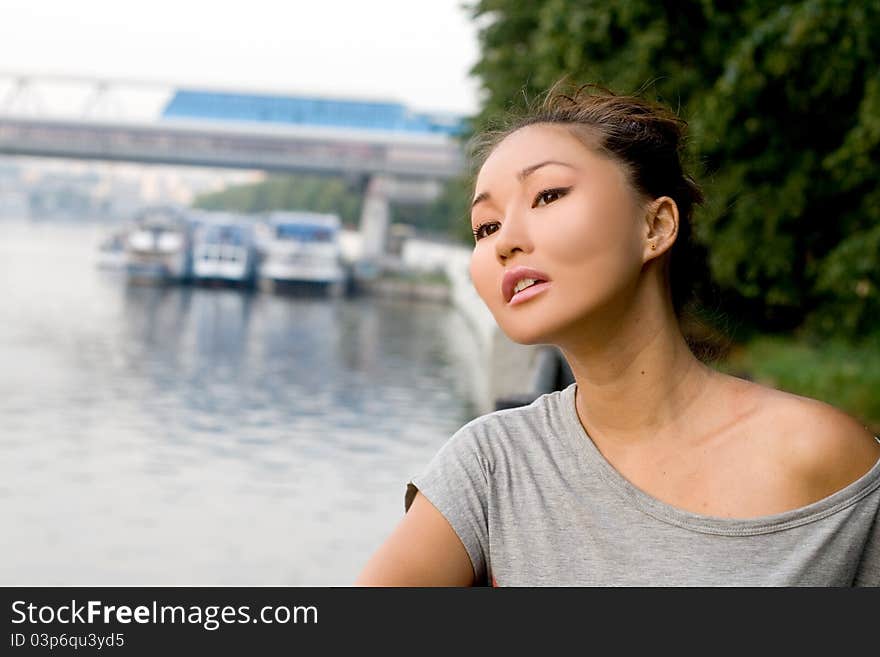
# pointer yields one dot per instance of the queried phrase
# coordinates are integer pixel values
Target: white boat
(111, 252)
(301, 248)
(157, 248)
(224, 249)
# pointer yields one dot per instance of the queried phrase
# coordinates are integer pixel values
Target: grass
(842, 374)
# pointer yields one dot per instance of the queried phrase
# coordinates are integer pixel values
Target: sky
(417, 52)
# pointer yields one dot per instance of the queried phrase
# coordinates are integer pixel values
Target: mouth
(529, 292)
(523, 283)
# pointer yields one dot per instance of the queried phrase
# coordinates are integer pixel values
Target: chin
(540, 326)
(523, 333)
(529, 323)
(525, 340)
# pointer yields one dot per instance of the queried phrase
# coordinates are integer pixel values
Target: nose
(513, 236)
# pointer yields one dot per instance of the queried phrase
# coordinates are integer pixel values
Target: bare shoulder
(821, 446)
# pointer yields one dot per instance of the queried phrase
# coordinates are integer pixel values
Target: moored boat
(111, 252)
(301, 249)
(157, 248)
(224, 249)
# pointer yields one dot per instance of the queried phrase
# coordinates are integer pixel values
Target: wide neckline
(583, 445)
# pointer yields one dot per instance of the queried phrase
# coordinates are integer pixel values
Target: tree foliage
(301, 192)
(783, 101)
(447, 216)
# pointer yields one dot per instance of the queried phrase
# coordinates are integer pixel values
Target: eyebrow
(522, 175)
(525, 173)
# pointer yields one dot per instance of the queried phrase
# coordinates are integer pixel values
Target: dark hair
(647, 139)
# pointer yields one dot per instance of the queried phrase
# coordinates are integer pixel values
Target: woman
(652, 468)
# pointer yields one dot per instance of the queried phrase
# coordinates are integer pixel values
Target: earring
(653, 246)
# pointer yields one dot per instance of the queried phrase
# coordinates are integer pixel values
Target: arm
(423, 550)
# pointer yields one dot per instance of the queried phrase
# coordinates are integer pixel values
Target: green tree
(447, 216)
(784, 106)
(300, 192)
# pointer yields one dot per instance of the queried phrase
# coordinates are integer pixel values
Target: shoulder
(512, 431)
(542, 412)
(820, 447)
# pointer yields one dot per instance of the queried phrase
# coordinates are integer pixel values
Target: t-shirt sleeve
(455, 482)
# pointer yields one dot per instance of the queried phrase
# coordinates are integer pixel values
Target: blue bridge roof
(314, 111)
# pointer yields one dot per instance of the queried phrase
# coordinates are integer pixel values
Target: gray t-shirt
(535, 503)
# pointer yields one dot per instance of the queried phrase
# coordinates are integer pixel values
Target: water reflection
(185, 435)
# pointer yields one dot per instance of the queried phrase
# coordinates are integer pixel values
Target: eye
(483, 229)
(549, 195)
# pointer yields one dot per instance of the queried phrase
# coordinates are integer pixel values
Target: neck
(636, 378)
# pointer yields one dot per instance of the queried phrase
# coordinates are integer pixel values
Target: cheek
(597, 248)
(483, 274)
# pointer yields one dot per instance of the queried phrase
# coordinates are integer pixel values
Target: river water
(194, 436)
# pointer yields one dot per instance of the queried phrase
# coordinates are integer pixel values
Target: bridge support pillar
(375, 217)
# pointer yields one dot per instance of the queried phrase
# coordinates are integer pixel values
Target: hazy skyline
(418, 53)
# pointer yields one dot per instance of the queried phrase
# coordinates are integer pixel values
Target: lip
(515, 275)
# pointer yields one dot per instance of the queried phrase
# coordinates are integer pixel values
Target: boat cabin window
(225, 235)
(303, 233)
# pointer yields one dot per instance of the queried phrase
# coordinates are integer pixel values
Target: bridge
(397, 154)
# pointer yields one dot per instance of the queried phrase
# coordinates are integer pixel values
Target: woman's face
(545, 201)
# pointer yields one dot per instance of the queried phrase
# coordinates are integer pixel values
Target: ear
(661, 221)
